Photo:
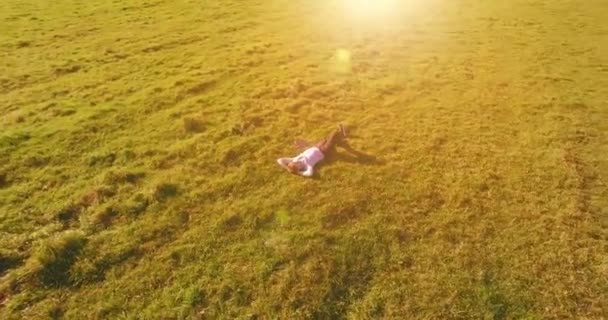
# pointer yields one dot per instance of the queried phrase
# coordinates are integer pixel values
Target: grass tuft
(103, 216)
(164, 191)
(14, 140)
(137, 204)
(120, 177)
(97, 196)
(194, 125)
(231, 157)
(37, 160)
(52, 259)
(9, 260)
(68, 213)
(103, 159)
(193, 297)
(232, 222)
(55, 312)
(3, 180)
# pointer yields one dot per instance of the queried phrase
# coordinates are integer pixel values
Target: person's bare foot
(342, 129)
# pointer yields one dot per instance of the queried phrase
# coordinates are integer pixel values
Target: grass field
(138, 142)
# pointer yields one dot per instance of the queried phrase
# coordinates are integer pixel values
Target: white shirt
(309, 158)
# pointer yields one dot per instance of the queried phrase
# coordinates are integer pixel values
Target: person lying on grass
(304, 163)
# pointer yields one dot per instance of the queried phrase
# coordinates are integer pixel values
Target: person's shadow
(350, 156)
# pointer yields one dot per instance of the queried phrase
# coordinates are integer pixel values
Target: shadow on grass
(350, 156)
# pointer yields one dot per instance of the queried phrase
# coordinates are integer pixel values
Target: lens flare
(342, 61)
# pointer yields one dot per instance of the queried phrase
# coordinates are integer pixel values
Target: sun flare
(371, 9)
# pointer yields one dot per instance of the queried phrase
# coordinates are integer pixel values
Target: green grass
(138, 142)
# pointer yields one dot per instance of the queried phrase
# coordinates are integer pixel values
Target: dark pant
(329, 143)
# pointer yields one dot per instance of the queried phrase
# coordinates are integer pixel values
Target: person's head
(295, 166)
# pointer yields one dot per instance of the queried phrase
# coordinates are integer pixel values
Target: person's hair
(292, 167)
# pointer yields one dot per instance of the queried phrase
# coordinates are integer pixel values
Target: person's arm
(308, 173)
(284, 161)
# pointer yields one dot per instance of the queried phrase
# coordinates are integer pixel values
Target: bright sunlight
(314, 159)
(371, 10)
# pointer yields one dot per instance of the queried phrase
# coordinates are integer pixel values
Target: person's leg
(321, 144)
(330, 142)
